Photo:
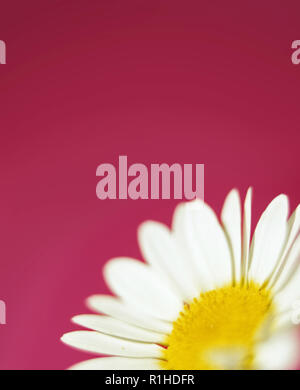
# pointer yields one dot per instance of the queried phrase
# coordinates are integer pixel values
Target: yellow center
(219, 329)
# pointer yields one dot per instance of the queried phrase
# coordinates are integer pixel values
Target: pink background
(159, 81)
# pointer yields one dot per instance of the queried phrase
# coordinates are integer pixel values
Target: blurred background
(159, 81)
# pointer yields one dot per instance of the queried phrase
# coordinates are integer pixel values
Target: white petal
(280, 352)
(115, 308)
(231, 218)
(284, 320)
(161, 250)
(290, 252)
(117, 363)
(199, 228)
(185, 236)
(289, 318)
(287, 297)
(108, 345)
(117, 328)
(293, 228)
(246, 233)
(268, 240)
(137, 284)
(288, 266)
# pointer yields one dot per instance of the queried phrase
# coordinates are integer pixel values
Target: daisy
(208, 296)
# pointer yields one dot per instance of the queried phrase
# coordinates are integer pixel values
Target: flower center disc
(219, 329)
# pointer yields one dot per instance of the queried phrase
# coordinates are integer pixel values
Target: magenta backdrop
(158, 81)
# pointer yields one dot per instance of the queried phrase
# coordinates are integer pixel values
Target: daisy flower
(208, 297)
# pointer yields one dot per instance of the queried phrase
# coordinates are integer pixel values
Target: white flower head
(208, 296)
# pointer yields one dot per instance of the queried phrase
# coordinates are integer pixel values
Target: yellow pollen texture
(219, 329)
